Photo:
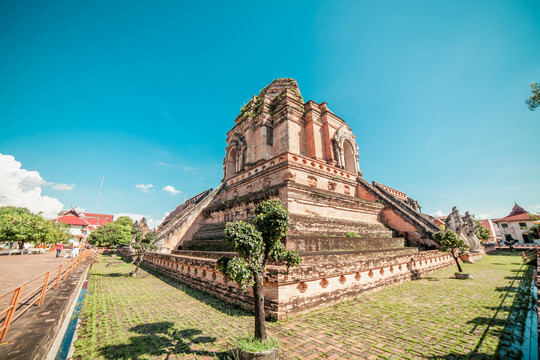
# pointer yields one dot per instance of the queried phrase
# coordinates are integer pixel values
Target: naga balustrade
(39, 287)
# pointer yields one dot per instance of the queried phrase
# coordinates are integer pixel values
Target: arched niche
(349, 157)
(346, 150)
(232, 157)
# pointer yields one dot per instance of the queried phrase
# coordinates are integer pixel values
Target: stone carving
(465, 227)
(343, 134)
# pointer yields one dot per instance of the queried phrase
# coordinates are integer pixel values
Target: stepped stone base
(314, 284)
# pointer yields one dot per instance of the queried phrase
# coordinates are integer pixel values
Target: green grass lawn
(437, 317)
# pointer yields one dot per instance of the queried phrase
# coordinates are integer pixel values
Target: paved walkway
(17, 269)
(436, 317)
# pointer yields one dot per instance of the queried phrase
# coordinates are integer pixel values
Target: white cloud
(150, 221)
(145, 188)
(438, 213)
(172, 190)
(164, 164)
(64, 187)
(483, 216)
(22, 188)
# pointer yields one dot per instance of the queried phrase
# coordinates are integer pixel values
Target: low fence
(39, 287)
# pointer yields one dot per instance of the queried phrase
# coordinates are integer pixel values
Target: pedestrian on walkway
(59, 248)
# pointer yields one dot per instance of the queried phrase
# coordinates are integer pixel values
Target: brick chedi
(349, 233)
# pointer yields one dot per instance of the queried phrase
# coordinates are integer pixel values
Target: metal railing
(39, 287)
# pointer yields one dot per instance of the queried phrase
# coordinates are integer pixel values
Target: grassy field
(436, 317)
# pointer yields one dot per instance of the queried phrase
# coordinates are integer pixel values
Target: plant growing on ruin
(256, 245)
(451, 243)
(142, 244)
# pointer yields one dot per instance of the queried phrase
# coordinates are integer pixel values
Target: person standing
(59, 248)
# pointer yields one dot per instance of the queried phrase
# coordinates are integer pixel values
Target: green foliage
(534, 232)
(534, 100)
(450, 242)
(258, 243)
(237, 269)
(111, 234)
(272, 220)
(125, 221)
(244, 238)
(251, 343)
(20, 225)
(352, 234)
(482, 233)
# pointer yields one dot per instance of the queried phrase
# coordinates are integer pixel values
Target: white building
(515, 224)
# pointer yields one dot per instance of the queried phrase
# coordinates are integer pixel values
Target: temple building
(515, 224)
(352, 235)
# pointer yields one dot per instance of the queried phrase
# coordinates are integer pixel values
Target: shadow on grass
(162, 339)
(207, 298)
(112, 275)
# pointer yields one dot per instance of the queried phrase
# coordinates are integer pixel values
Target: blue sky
(143, 92)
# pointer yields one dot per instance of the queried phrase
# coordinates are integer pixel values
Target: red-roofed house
(82, 224)
(493, 230)
(515, 224)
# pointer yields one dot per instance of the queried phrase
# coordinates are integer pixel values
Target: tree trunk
(258, 299)
(139, 263)
(456, 258)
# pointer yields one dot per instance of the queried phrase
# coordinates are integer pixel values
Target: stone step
(308, 225)
(321, 257)
(304, 243)
(312, 257)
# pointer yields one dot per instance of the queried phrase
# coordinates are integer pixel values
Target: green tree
(534, 100)
(451, 243)
(142, 244)
(21, 226)
(510, 241)
(534, 232)
(125, 221)
(110, 234)
(482, 232)
(256, 245)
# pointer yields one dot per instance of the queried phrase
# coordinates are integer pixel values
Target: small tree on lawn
(256, 245)
(510, 241)
(142, 244)
(451, 243)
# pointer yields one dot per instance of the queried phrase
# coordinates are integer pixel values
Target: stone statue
(454, 221)
(469, 231)
(465, 227)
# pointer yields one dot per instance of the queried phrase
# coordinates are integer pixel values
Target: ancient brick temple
(352, 235)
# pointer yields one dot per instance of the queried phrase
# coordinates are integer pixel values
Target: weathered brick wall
(308, 287)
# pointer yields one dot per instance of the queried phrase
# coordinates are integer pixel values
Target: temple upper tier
(278, 121)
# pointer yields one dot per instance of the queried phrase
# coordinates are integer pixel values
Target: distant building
(515, 224)
(82, 224)
(493, 230)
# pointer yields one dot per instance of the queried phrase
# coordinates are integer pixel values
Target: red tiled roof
(72, 220)
(518, 217)
(109, 218)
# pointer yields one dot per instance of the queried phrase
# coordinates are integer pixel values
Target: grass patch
(156, 317)
(250, 343)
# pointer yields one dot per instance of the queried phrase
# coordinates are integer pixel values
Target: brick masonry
(306, 287)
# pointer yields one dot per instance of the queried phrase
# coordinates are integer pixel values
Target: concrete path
(31, 336)
(17, 269)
